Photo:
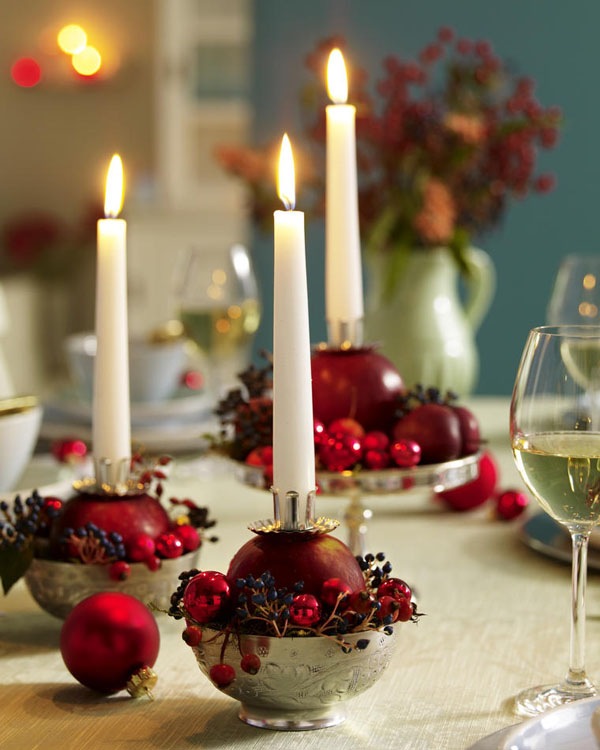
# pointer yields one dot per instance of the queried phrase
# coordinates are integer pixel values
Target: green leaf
(13, 564)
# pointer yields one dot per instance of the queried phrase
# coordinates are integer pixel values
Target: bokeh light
(72, 39)
(87, 62)
(26, 72)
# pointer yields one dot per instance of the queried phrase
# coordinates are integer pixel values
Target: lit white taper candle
(293, 444)
(343, 272)
(111, 422)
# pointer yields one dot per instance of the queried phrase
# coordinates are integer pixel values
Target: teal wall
(555, 42)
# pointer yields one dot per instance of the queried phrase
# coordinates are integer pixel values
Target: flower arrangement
(443, 144)
(40, 243)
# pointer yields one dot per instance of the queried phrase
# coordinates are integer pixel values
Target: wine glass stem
(576, 675)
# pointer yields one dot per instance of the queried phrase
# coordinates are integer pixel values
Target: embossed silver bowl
(302, 682)
(58, 586)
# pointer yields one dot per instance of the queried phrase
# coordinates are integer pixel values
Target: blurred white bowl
(155, 368)
(19, 430)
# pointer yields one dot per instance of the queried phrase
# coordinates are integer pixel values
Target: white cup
(155, 368)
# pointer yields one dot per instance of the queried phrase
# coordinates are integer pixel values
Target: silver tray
(436, 477)
(356, 484)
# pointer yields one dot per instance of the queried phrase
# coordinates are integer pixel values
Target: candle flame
(286, 185)
(337, 80)
(113, 197)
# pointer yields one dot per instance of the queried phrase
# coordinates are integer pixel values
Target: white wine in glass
(217, 300)
(555, 434)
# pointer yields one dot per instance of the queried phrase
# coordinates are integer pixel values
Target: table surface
(497, 620)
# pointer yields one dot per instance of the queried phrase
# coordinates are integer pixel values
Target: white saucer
(567, 726)
(185, 405)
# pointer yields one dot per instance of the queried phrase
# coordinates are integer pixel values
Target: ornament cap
(141, 683)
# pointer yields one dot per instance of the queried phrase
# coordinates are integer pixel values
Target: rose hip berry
(222, 675)
(250, 663)
(119, 570)
(192, 635)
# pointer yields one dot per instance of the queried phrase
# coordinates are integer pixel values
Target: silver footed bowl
(302, 682)
(58, 586)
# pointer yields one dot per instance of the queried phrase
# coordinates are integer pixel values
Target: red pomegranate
(357, 383)
(292, 557)
(127, 515)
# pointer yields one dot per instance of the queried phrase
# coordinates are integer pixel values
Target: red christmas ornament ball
(305, 610)
(107, 638)
(190, 538)
(475, 493)
(140, 547)
(340, 451)
(68, 450)
(510, 504)
(405, 453)
(206, 596)
(332, 589)
(169, 545)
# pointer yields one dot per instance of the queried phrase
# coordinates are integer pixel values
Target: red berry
(389, 607)
(189, 536)
(192, 379)
(375, 441)
(250, 663)
(332, 589)
(52, 503)
(305, 610)
(169, 545)
(396, 588)
(153, 563)
(119, 570)
(405, 453)
(222, 675)
(405, 609)
(361, 602)
(510, 504)
(192, 635)
(140, 547)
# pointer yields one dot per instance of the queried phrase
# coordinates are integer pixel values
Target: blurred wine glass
(217, 301)
(575, 298)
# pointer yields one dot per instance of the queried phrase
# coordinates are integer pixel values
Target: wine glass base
(536, 700)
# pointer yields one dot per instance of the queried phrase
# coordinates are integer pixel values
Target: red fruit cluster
(174, 542)
(428, 433)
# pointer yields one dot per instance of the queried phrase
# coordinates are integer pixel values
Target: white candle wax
(111, 423)
(293, 441)
(343, 271)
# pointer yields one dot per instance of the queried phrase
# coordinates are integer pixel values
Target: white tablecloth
(496, 621)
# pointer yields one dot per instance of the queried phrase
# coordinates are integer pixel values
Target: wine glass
(217, 301)
(555, 435)
(575, 297)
